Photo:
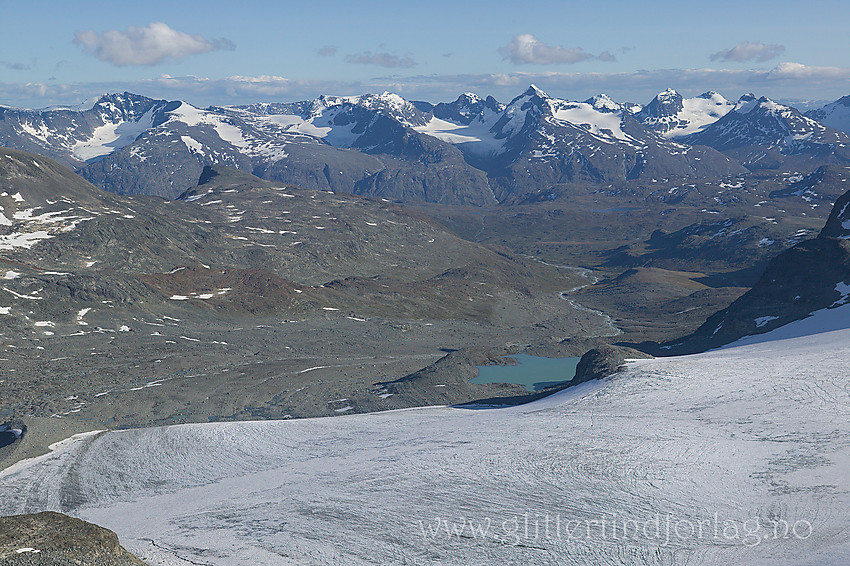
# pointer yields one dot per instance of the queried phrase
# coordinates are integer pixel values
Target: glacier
(735, 456)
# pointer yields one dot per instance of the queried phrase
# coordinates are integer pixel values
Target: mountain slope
(811, 277)
(48, 538)
(473, 151)
(130, 144)
(835, 114)
(77, 136)
(243, 299)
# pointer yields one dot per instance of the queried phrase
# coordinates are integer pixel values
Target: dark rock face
(54, 539)
(666, 104)
(838, 223)
(466, 108)
(11, 432)
(603, 361)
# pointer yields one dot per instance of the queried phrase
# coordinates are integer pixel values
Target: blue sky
(235, 52)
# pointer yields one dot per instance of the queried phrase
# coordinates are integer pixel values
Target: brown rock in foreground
(54, 539)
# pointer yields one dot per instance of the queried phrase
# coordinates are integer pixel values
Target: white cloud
(146, 45)
(381, 60)
(749, 51)
(526, 48)
(796, 71)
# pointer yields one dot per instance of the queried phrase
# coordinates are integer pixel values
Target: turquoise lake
(533, 372)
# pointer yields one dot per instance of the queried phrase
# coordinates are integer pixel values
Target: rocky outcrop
(603, 361)
(54, 539)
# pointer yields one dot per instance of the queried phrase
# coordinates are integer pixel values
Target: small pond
(534, 372)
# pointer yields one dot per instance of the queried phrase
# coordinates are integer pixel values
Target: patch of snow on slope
(700, 112)
(194, 146)
(41, 133)
(81, 314)
(844, 289)
(23, 240)
(336, 135)
(444, 130)
(835, 115)
(111, 136)
(602, 124)
(192, 116)
(477, 136)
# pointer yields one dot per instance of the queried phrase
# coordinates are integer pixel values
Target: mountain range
(474, 151)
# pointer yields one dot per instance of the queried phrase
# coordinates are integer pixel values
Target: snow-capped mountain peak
(665, 104)
(534, 90)
(532, 94)
(746, 103)
(671, 115)
(604, 103)
(712, 95)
